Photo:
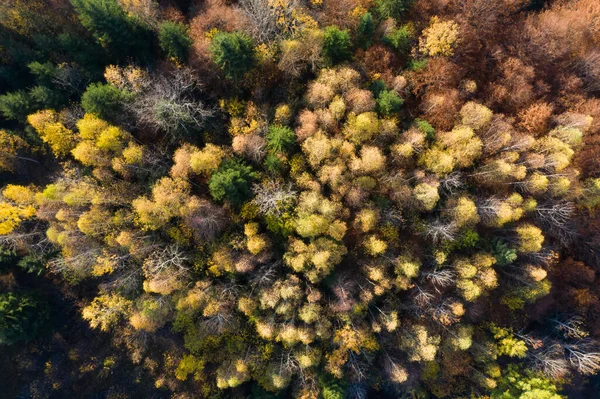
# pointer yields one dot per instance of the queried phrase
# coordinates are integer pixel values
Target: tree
(169, 102)
(530, 238)
(516, 383)
(174, 40)
(106, 310)
(16, 105)
(167, 201)
(389, 102)
(21, 317)
(365, 30)
(104, 100)
(401, 39)
(304, 53)
(280, 139)
(439, 38)
(392, 8)
(60, 139)
(337, 45)
(232, 182)
(508, 344)
(426, 196)
(11, 146)
(122, 34)
(233, 53)
(207, 160)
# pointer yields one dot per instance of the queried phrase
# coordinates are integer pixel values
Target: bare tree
(206, 220)
(168, 103)
(557, 216)
(439, 230)
(571, 327)
(589, 69)
(263, 21)
(550, 359)
(441, 278)
(452, 182)
(272, 196)
(584, 356)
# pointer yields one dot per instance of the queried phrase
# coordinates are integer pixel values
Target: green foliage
(232, 182)
(401, 39)
(377, 87)
(44, 73)
(392, 8)
(46, 98)
(233, 53)
(467, 239)
(517, 383)
(21, 317)
(122, 34)
(174, 40)
(416, 65)
(426, 128)
(504, 254)
(273, 163)
(7, 259)
(32, 264)
(508, 344)
(280, 139)
(389, 102)
(16, 105)
(337, 45)
(103, 100)
(365, 30)
(332, 388)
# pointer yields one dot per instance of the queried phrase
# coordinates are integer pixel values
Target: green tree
(337, 45)
(21, 317)
(16, 105)
(122, 34)
(392, 8)
(280, 138)
(389, 102)
(232, 182)
(401, 38)
(365, 30)
(233, 53)
(103, 100)
(174, 40)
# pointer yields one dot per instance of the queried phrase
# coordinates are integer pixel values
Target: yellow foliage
(60, 139)
(439, 38)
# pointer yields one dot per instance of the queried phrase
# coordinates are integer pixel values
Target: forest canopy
(300, 199)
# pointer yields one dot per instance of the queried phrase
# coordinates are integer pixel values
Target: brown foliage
(515, 88)
(378, 59)
(338, 12)
(440, 73)
(440, 108)
(536, 118)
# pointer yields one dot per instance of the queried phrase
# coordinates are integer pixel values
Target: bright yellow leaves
(439, 38)
(316, 259)
(106, 310)
(21, 207)
(47, 124)
(530, 238)
(168, 197)
(207, 160)
(256, 243)
(475, 275)
(101, 142)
